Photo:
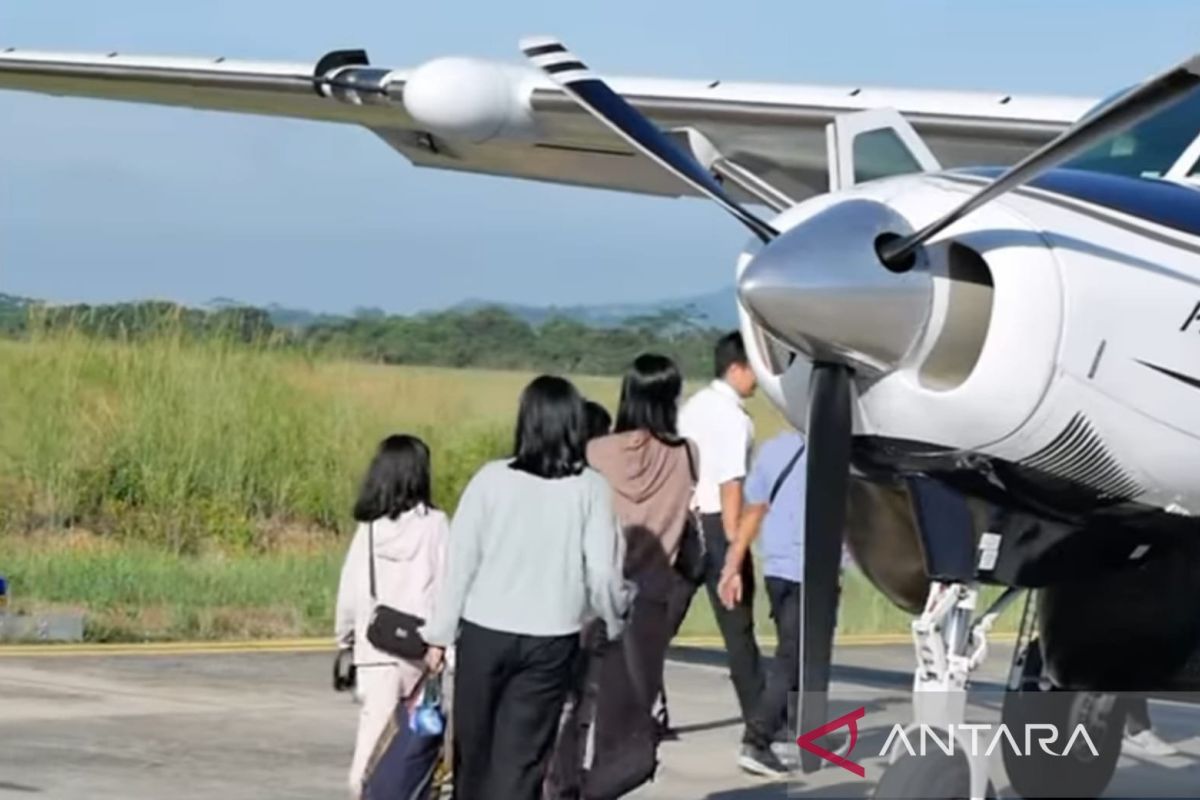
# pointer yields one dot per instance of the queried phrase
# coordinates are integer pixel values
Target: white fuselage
(1076, 360)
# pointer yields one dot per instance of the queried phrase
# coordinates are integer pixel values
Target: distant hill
(281, 316)
(297, 317)
(713, 310)
(13, 313)
(717, 309)
(9, 302)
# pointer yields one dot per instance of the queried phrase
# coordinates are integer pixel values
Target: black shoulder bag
(693, 552)
(391, 630)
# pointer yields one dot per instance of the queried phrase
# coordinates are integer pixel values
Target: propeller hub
(822, 288)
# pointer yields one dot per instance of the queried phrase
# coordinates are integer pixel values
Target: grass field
(201, 490)
(141, 592)
(187, 445)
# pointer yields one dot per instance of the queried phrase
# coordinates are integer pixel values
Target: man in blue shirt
(774, 494)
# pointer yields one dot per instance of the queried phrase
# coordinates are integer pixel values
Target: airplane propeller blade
(565, 69)
(1127, 110)
(829, 433)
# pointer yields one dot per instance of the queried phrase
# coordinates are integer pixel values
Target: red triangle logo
(850, 721)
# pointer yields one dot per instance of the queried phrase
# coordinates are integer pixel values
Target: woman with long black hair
(396, 559)
(535, 548)
(652, 471)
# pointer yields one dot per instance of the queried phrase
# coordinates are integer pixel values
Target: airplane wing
(504, 119)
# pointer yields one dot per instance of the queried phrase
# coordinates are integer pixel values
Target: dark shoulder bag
(391, 630)
(693, 553)
(634, 762)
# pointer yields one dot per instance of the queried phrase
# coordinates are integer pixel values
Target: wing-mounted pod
(472, 100)
(455, 98)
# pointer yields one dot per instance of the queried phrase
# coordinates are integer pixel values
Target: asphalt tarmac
(257, 726)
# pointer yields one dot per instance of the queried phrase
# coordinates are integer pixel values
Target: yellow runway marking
(324, 645)
(168, 648)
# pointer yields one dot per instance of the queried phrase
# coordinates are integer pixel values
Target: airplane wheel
(933, 776)
(1079, 773)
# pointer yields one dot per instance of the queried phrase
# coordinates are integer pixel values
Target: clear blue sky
(103, 201)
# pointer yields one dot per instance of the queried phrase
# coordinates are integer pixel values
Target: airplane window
(881, 154)
(1148, 149)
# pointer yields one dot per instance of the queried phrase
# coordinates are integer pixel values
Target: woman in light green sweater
(535, 550)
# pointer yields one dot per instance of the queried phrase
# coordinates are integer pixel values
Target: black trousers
(783, 678)
(1138, 718)
(736, 624)
(508, 697)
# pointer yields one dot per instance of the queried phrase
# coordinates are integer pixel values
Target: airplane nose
(821, 288)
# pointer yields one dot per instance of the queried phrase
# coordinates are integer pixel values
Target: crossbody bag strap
(783, 476)
(371, 556)
(687, 449)
(693, 507)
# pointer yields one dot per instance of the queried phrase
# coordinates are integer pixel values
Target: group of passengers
(567, 570)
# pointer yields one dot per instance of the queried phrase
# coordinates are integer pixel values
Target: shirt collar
(721, 387)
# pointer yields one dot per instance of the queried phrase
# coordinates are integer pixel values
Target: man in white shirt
(715, 419)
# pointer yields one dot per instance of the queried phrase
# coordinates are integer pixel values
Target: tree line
(487, 337)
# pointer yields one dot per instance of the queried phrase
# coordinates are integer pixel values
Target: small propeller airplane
(997, 368)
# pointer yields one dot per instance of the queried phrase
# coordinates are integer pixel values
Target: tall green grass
(181, 443)
(178, 441)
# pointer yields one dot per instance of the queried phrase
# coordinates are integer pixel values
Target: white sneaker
(1148, 743)
(761, 761)
(787, 752)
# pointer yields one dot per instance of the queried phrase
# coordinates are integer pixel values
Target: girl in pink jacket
(409, 535)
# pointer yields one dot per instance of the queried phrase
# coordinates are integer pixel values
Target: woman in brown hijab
(652, 473)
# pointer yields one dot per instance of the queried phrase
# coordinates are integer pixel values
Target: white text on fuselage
(1193, 319)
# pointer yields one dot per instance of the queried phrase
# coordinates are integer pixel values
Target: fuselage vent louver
(1078, 454)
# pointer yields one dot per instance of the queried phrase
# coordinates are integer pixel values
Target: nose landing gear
(948, 648)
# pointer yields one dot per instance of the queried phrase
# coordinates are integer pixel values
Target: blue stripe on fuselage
(1161, 202)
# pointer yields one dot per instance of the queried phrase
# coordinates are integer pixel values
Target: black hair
(650, 396)
(551, 429)
(599, 421)
(397, 480)
(730, 350)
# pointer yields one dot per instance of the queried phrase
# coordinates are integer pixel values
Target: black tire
(1079, 773)
(934, 776)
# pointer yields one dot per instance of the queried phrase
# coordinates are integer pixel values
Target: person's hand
(730, 587)
(343, 670)
(435, 659)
